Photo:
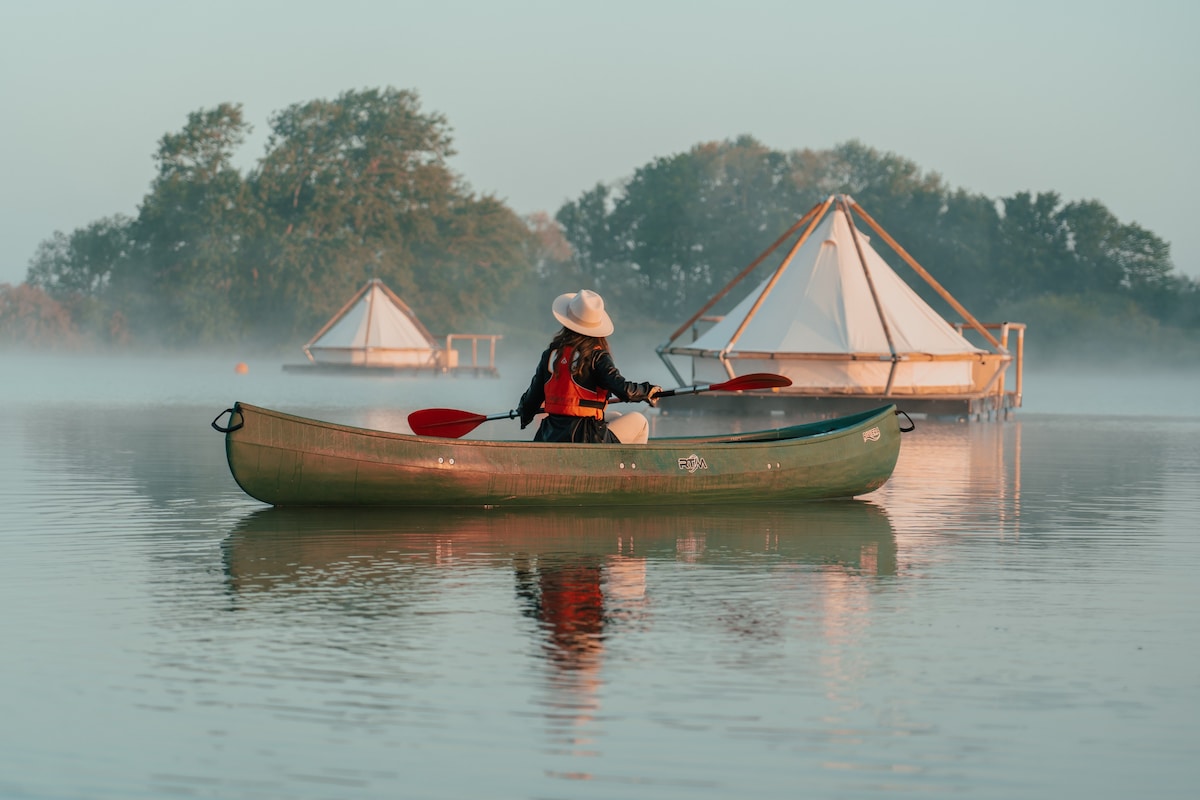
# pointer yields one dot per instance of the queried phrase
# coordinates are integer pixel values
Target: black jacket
(602, 373)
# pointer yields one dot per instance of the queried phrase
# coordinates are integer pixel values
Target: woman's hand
(652, 396)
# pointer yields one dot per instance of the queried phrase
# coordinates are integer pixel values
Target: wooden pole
(370, 311)
(408, 312)
(749, 268)
(862, 262)
(912, 262)
(971, 356)
(783, 265)
(1020, 362)
(338, 315)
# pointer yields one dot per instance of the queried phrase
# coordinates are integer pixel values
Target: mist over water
(1015, 614)
(33, 378)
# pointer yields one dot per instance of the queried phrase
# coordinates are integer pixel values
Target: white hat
(583, 312)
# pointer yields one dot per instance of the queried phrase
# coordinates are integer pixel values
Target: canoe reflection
(283, 548)
(587, 579)
(575, 570)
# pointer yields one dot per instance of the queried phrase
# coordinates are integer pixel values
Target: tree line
(359, 187)
(348, 189)
(683, 225)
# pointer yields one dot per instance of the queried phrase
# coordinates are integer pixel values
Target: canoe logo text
(871, 435)
(693, 463)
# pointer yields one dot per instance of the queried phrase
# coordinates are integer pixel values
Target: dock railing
(1009, 399)
(453, 360)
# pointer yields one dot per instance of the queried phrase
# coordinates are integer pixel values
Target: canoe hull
(285, 460)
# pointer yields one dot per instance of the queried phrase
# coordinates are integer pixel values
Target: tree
(873, 178)
(82, 262)
(358, 187)
(956, 246)
(77, 269)
(478, 258)
(682, 226)
(188, 275)
(554, 269)
(30, 316)
(1032, 250)
(586, 226)
(1116, 257)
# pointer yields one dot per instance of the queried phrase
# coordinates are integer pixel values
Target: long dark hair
(585, 347)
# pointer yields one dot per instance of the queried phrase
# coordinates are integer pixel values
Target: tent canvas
(836, 319)
(374, 329)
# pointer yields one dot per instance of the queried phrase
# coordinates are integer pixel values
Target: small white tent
(374, 329)
(837, 320)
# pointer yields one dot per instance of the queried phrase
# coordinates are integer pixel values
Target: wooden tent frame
(451, 357)
(988, 392)
(404, 308)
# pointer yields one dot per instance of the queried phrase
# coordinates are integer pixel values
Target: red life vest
(565, 396)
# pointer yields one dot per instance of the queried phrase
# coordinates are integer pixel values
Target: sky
(1095, 100)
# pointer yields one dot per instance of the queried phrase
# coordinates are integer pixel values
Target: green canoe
(285, 460)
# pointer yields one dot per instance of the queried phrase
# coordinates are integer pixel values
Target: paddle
(449, 423)
(742, 383)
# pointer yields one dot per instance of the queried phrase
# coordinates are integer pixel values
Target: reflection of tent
(374, 329)
(838, 321)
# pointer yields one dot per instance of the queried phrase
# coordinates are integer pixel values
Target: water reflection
(1047, 482)
(952, 473)
(285, 549)
(592, 584)
(567, 598)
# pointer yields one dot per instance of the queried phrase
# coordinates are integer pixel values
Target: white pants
(630, 428)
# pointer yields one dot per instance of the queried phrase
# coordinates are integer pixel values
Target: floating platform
(801, 407)
(454, 358)
(429, 370)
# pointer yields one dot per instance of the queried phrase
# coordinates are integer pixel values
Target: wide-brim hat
(583, 312)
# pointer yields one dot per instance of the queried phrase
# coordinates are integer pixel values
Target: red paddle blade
(755, 380)
(446, 423)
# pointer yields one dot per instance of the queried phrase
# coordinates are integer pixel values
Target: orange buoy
(241, 368)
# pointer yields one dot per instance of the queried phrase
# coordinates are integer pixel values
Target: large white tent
(375, 328)
(837, 320)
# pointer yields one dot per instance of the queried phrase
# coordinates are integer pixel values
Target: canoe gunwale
(286, 460)
(771, 436)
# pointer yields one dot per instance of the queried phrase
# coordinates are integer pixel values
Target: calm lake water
(1016, 614)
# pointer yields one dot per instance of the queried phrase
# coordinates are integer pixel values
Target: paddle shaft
(449, 423)
(466, 417)
(703, 387)
(757, 380)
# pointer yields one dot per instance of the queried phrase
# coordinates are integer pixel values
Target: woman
(575, 377)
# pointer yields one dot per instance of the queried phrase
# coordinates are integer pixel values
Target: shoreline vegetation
(359, 187)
